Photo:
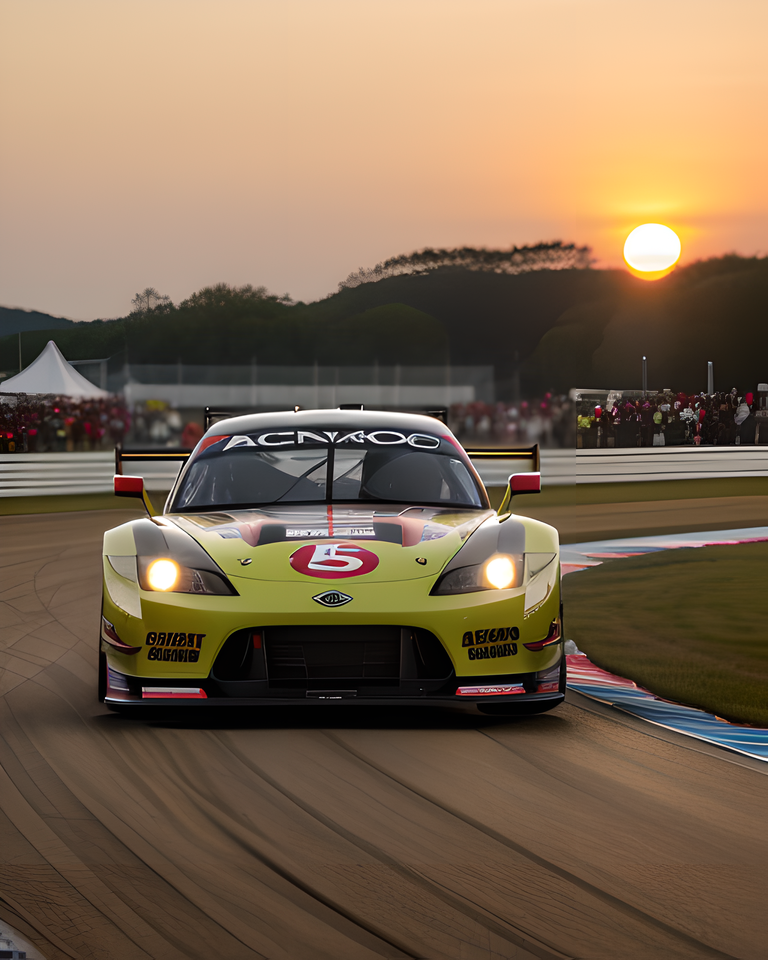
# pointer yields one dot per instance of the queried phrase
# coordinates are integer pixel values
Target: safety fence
(66, 473)
(637, 464)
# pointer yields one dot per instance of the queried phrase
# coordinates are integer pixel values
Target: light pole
(710, 378)
(645, 375)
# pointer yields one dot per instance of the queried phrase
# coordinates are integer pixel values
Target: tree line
(541, 256)
(548, 328)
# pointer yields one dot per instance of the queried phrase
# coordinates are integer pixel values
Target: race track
(599, 521)
(341, 832)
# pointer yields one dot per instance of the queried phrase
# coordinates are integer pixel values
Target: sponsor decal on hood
(333, 561)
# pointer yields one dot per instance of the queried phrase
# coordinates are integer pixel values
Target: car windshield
(314, 466)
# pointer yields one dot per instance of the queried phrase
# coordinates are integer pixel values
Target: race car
(332, 556)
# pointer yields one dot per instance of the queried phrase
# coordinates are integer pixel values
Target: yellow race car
(333, 556)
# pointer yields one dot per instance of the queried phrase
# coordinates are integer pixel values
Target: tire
(102, 690)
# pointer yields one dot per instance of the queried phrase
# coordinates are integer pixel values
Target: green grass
(11, 506)
(690, 625)
(640, 492)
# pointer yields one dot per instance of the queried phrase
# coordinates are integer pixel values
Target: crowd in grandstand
(670, 419)
(40, 424)
(58, 424)
(157, 423)
(549, 422)
(34, 423)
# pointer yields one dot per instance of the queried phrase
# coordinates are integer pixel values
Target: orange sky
(176, 143)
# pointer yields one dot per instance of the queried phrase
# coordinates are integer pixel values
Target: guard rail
(37, 474)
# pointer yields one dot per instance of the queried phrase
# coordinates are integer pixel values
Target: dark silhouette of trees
(149, 299)
(555, 327)
(541, 256)
(222, 296)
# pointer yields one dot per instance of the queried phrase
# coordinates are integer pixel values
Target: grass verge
(14, 506)
(687, 624)
(637, 492)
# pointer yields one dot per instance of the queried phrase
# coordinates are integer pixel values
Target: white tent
(51, 373)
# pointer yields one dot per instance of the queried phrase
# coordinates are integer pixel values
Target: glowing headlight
(163, 574)
(169, 576)
(500, 572)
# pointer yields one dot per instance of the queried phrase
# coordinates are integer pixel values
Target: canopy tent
(50, 373)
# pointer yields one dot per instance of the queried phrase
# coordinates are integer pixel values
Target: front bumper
(523, 693)
(201, 651)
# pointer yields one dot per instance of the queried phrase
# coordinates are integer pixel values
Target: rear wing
(525, 459)
(212, 416)
(517, 468)
(150, 453)
(132, 486)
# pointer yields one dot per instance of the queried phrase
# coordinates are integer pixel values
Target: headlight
(497, 573)
(167, 576)
(163, 574)
(502, 572)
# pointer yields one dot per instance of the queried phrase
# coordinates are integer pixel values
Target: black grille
(381, 660)
(297, 656)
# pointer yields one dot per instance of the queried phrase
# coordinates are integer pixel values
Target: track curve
(343, 832)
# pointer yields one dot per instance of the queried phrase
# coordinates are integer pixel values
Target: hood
(328, 543)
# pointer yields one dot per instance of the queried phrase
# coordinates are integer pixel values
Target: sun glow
(652, 250)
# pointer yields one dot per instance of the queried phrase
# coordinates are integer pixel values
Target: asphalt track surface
(602, 521)
(334, 833)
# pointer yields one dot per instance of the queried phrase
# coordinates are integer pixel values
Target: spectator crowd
(31, 423)
(549, 421)
(671, 419)
(34, 423)
(41, 424)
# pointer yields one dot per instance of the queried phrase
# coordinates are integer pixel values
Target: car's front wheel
(102, 676)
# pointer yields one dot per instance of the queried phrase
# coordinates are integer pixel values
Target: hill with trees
(14, 320)
(542, 312)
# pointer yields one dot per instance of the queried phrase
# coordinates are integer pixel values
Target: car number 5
(334, 557)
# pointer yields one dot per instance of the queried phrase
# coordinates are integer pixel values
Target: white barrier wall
(35, 474)
(669, 463)
(636, 464)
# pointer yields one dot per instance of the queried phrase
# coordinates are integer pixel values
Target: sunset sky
(177, 143)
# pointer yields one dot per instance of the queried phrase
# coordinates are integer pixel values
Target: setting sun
(652, 250)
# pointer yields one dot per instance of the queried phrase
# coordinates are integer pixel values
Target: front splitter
(547, 701)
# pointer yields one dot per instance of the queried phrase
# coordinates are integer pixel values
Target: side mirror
(524, 483)
(134, 487)
(129, 487)
(520, 483)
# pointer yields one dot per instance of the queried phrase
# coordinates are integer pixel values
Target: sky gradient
(177, 143)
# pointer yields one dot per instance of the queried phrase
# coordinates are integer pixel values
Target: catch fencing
(37, 474)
